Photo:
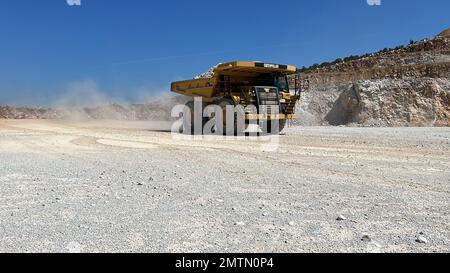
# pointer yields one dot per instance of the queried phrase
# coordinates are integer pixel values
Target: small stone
(239, 224)
(291, 223)
(140, 184)
(341, 218)
(366, 238)
(233, 209)
(422, 240)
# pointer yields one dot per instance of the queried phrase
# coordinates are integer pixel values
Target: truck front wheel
(234, 128)
(266, 127)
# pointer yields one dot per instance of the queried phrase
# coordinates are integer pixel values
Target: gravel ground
(110, 187)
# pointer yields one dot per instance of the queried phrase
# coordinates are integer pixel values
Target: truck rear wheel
(188, 126)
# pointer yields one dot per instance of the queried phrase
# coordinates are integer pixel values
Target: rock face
(393, 102)
(445, 33)
(406, 86)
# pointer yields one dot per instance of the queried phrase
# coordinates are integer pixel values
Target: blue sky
(132, 50)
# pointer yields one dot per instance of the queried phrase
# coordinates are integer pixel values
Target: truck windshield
(282, 83)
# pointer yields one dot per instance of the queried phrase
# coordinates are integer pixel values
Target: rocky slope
(405, 86)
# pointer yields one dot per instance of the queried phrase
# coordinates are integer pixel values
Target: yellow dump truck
(263, 85)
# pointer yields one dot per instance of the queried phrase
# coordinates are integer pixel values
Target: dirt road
(99, 187)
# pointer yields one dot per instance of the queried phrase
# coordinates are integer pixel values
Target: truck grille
(268, 100)
(268, 96)
(269, 109)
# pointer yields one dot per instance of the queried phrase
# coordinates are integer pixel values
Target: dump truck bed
(197, 87)
(253, 68)
(205, 87)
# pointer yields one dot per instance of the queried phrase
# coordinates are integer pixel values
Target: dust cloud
(84, 102)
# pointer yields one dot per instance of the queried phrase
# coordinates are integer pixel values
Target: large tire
(283, 123)
(267, 127)
(190, 128)
(232, 129)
